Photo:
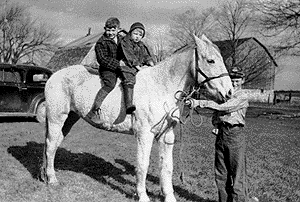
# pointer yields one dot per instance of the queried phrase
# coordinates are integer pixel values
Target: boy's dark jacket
(132, 53)
(106, 53)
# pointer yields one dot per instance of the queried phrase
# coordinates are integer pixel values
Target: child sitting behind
(133, 54)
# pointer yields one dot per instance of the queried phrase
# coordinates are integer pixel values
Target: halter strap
(198, 70)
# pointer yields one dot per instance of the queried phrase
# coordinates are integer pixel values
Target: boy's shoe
(253, 199)
(130, 109)
(95, 112)
(215, 131)
(94, 115)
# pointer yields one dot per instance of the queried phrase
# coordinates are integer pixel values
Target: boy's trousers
(230, 164)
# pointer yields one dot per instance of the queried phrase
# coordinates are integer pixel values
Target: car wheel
(41, 112)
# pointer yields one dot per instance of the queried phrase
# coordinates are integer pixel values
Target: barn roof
(226, 48)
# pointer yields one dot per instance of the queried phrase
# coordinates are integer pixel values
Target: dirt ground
(95, 165)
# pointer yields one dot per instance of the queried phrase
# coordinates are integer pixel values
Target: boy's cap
(137, 25)
(235, 73)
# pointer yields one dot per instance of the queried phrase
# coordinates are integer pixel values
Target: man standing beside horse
(230, 145)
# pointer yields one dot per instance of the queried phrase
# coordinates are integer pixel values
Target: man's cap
(235, 73)
(137, 25)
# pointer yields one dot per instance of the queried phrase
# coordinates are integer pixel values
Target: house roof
(67, 57)
(83, 41)
(226, 48)
(73, 53)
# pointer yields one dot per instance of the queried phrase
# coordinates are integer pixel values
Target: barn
(253, 58)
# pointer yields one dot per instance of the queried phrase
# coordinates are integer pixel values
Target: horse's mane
(185, 47)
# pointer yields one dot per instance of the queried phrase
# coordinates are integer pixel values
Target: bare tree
(280, 20)
(234, 19)
(160, 47)
(257, 64)
(184, 25)
(24, 39)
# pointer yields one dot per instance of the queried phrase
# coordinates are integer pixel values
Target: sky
(74, 17)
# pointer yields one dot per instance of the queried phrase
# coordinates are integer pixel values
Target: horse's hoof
(170, 198)
(144, 198)
(53, 184)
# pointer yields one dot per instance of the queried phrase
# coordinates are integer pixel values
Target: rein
(185, 99)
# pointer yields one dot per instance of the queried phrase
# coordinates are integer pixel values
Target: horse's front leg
(144, 144)
(166, 144)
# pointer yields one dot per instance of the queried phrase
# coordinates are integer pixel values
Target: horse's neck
(173, 74)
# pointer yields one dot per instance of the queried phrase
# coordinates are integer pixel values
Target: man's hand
(202, 103)
(192, 103)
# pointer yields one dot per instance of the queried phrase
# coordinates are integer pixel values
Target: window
(9, 75)
(35, 76)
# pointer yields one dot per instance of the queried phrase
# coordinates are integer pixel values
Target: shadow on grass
(31, 156)
(17, 119)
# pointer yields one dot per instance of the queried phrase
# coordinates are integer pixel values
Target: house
(253, 58)
(73, 53)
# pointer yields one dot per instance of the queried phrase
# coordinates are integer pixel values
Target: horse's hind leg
(54, 137)
(59, 123)
(166, 144)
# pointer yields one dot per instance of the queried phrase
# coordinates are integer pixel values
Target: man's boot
(95, 110)
(128, 95)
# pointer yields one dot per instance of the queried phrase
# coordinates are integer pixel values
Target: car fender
(35, 102)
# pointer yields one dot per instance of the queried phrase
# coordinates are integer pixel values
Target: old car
(22, 91)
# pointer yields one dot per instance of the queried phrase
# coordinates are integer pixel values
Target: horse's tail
(46, 124)
(42, 175)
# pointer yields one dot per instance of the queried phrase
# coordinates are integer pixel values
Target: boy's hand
(122, 63)
(151, 63)
(138, 67)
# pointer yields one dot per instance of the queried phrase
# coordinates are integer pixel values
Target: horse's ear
(201, 44)
(195, 37)
(204, 38)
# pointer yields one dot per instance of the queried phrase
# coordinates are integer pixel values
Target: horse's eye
(210, 61)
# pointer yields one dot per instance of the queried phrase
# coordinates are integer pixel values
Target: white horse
(70, 93)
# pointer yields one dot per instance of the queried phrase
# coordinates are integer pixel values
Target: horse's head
(210, 71)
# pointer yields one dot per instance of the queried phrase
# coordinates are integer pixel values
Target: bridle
(198, 70)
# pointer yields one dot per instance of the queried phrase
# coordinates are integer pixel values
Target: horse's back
(63, 84)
